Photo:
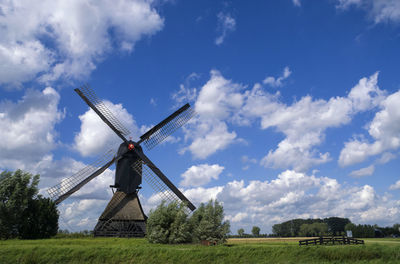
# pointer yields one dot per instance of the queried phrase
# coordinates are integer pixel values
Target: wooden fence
(331, 241)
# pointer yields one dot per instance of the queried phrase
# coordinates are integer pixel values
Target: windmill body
(127, 180)
(123, 215)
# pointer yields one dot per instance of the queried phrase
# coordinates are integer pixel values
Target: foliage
(24, 213)
(169, 224)
(123, 250)
(336, 224)
(361, 230)
(315, 229)
(255, 231)
(291, 228)
(240, 231)
(207, 223)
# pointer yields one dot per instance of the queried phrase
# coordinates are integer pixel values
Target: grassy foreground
(263, 250)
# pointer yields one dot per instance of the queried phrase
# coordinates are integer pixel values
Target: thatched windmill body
(124, 216)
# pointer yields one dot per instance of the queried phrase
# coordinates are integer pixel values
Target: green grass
(119, 250)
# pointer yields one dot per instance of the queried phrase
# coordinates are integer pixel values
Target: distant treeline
(331, 226)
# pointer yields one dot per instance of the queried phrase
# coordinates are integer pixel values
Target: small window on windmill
(349, 233)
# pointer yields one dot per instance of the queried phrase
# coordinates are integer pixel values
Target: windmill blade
(68, 186)
(88, 95)
(155, 183)
(166, 127)
(162, 185)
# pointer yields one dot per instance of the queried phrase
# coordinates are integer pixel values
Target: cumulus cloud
(379, 11)
(95, 137)
(305, 121)
(226, 25)
(290, 195)
(49, 39)
(199, 175)
(367, 171)
(384, 130)
(297, 195)
(395, 186)
(28, 132)
(81, 214)
(221, 104)
(215, 103)
(277, 82)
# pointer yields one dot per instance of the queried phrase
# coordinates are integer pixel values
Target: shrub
(169, 224)
(207, 222)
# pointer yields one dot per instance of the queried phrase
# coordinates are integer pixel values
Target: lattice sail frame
(170, 127)
(155, 182)
(67, 184)
(92, 97)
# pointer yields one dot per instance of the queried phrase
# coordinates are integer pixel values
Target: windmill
(123, 215)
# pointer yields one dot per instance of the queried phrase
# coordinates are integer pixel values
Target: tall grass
(119, 250)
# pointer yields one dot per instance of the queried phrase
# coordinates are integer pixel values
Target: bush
(207, 222)
(170, 224)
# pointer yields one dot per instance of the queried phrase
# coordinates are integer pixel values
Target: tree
(207, 222)
(314, 229)
(255, 231)
(240, 232)
(169, 224)
(336, 224)
(24, 213)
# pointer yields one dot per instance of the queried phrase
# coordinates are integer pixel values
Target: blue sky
(297, 102)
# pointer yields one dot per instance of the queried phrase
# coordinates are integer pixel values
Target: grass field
(252, 250)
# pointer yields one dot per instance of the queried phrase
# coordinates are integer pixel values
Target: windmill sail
(88, 95)
(168, 126)
(155, 183)
(167, 188)
(68, 186)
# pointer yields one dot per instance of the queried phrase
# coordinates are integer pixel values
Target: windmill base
(120, 228)
(123, 217)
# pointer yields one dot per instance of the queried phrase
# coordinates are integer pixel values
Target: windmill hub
(131, 146)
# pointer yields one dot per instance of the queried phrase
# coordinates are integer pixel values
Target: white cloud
(366, 94)
(221, 103)
(219, 97)
(95, 137)
(386, 157)
(379, 11)
(213, 136)
(296, 2)
(28, 133)
(81, 214)
(289, 195)
(297, 195)
(226, 25)
(305, 121)
(53, 39)
(384, 129)
(395, 186)
(199, 175)
(367, 171)
(216, 102)
(278, 81)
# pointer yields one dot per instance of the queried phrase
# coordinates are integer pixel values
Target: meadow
(250, 250)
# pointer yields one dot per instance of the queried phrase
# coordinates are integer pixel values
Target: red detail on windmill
(131, 146)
